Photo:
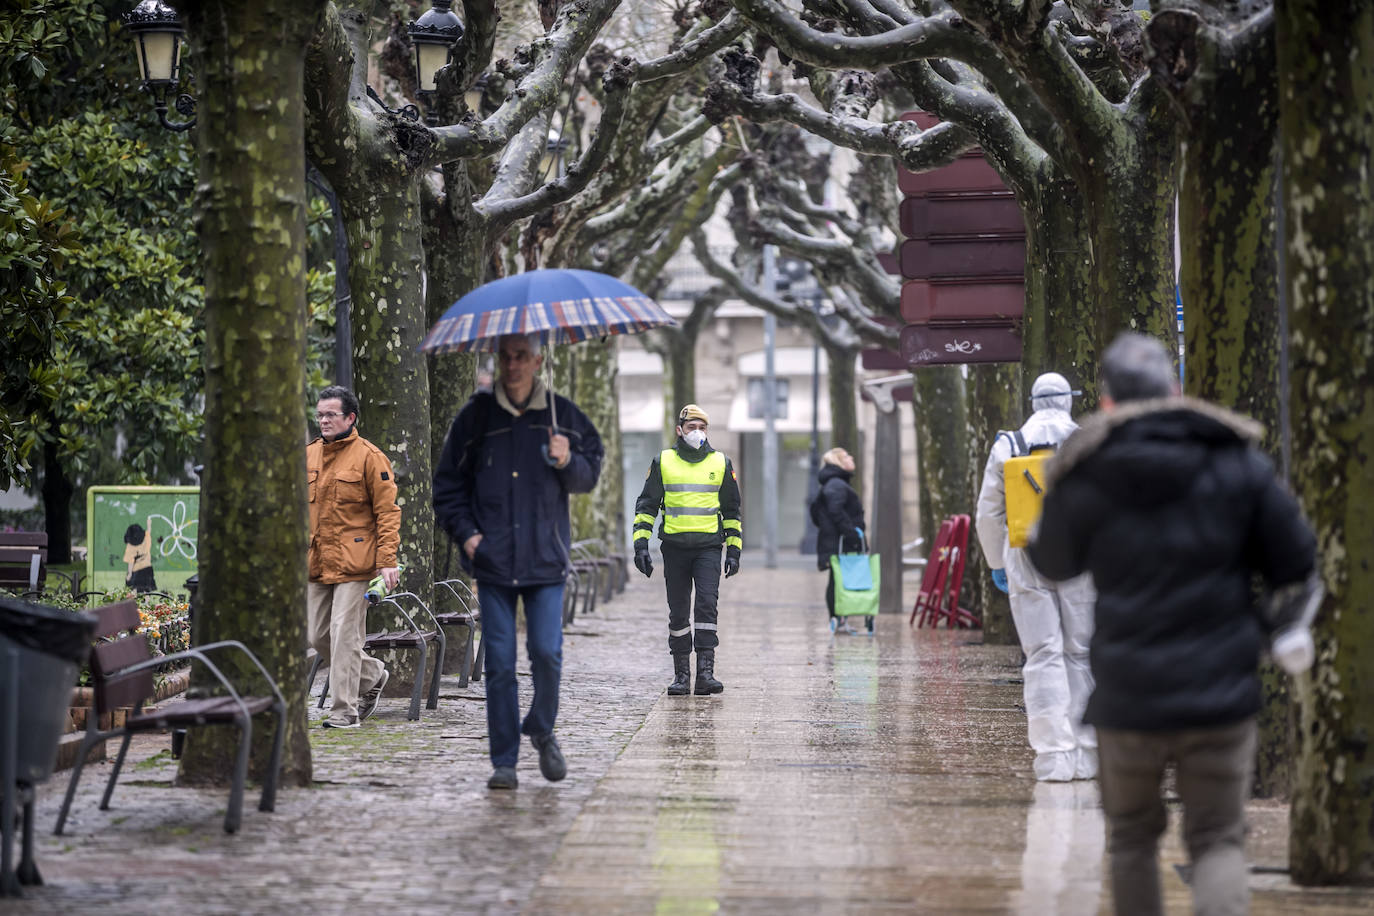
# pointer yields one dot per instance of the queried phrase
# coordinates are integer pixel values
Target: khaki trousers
(337, 625)
(1213, 777)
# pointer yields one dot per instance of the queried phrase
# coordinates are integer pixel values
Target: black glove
(731, 565)
(642, 561)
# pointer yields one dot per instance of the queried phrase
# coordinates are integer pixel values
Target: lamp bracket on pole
(410, 112)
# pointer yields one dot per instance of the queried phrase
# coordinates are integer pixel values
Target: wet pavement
(836, 774)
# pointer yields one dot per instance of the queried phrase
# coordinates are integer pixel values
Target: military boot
(682, 675)
(706, 681)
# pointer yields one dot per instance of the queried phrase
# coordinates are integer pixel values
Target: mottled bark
(1326, 66)
(599, 515)
(994, 404)
(251, 213)
(374, 160)
(1059, 329)
(1130, 193)
(942, 444)
(386, 271)
(1223, 83)
(455, 261)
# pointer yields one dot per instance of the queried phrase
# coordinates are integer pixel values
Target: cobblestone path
(840, 774)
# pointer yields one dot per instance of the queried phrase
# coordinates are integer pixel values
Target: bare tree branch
(692, 130)
(902, 140)
(501, 210)
(788, 311)
(695, 50)
(537, 90)
(931, 36)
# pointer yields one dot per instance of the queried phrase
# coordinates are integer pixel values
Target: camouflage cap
(692, 412)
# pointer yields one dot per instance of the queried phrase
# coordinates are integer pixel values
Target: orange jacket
(355, 524)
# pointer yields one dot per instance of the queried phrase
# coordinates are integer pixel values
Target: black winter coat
(492, 480)
(836, 510)
(1173, 510)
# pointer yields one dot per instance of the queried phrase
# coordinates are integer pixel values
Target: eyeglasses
(327, 415)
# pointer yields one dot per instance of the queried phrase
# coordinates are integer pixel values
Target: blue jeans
(543, 642)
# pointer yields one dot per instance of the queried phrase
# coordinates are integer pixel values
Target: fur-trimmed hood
(1153, 440)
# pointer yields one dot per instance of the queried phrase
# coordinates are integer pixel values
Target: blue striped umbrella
(561, 306)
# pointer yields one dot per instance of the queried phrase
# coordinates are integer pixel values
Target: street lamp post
(552, 160)
(433, 35)
(157, 43)
(808, 541)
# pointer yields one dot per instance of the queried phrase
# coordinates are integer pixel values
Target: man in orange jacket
(355, 528)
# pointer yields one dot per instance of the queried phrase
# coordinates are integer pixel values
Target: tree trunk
(1060, 308)
(994, 404)
(1229, 272)
(251, 205)
(455, 258)
(391, 378)
(842, 387)
(681, 366)
(57, 506)
(1326, 64)
(942, 443)
(1131, 215)
(599, 514)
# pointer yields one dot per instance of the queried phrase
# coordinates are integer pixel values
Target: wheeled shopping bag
(857, 579)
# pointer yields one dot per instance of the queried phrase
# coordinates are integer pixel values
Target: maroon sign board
(924, 259)
(881, 359)
(954, 344)
(924, 301)
(967, 173)
(973, 213)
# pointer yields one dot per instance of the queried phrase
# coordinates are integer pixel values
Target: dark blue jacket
(493, 480)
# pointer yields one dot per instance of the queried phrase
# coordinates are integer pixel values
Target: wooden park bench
(122, 675)
(24, 563)
(468, 615)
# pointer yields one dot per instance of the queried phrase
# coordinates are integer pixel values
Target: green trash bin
(48, 646)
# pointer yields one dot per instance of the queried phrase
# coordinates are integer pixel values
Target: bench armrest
(448, 584)
(411, 620)
(203, 659)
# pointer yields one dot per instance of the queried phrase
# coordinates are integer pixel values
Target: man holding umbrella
(695, 487)
(501, 491)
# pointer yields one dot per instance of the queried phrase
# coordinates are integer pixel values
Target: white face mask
(696, 438)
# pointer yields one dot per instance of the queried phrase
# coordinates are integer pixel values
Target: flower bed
(165, 623)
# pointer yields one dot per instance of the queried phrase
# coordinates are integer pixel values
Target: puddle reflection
(1061, 866)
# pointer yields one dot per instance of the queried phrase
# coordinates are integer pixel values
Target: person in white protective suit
(1054, 620)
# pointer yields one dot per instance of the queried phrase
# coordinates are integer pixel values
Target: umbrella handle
(553, 404)
(553, 415)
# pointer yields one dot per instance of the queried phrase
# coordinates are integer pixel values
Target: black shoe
(503, 778)
(551, 762)
(367, 703)
(706, 681)
(682, 675)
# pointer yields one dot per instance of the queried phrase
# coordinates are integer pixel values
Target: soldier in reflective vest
(695, 487)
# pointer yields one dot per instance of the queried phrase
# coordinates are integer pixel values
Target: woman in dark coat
(836, 511)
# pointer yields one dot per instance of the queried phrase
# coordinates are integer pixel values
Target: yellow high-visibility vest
(691, 492)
